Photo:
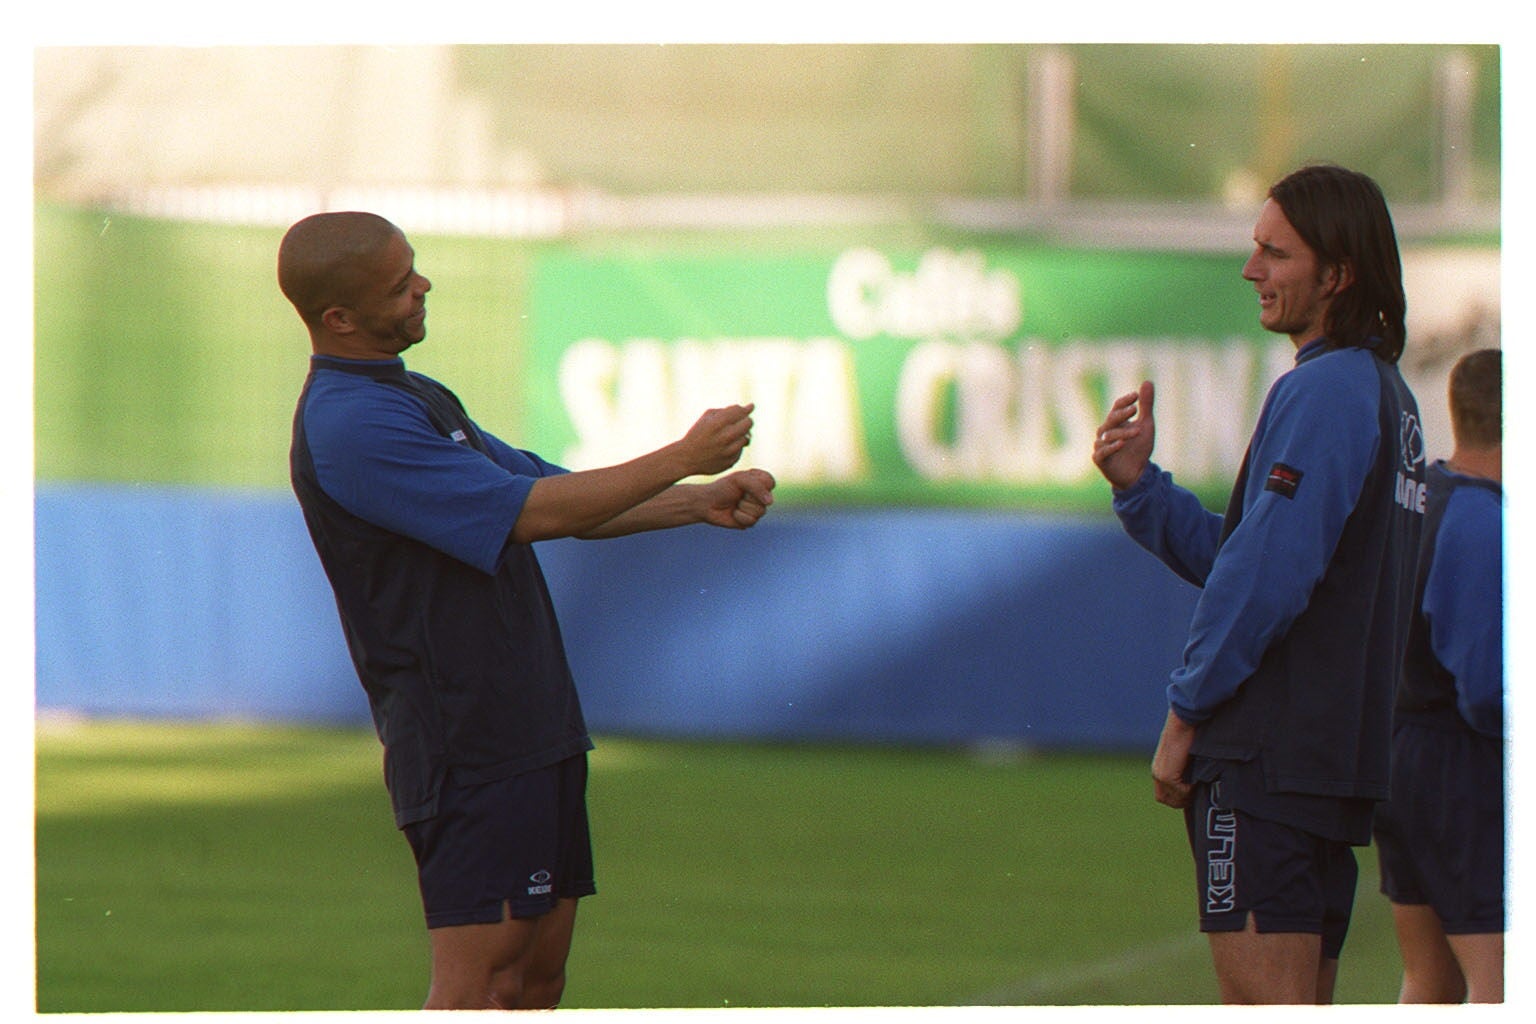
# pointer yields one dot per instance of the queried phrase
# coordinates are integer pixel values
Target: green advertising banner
(962, 375)
(931, 368)
(956, 374)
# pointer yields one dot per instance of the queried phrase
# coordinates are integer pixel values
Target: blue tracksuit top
(1454, 669)
(449, 623)
(1295, 645)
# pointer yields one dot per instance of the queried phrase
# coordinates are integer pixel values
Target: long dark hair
(1342, 215)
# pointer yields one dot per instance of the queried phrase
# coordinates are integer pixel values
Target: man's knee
(525, 988)
(543, 991)
(1481, 958)
(1436, 985)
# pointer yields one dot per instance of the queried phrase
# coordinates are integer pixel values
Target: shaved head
(325, 259)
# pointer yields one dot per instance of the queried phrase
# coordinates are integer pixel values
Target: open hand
(1123, 445)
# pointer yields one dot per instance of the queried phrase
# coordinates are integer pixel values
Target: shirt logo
(1221, 861)
(1411, 489)
(459, 436)
(1283, 480)
(1410, 442)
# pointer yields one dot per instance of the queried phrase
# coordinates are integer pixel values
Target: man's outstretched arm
(734, 502)
(575, 504)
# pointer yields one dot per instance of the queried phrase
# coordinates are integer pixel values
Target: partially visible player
(1440, 838)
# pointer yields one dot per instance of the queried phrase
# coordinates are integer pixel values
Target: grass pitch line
(1043, 989)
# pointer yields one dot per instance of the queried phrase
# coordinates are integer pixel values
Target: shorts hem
(1474, 928)
(1237, 920)
(1265, 925)
(578, 890)
(478, 915)
(1464, 926)
(1403, 897)
(1234, 922)
(517, 910)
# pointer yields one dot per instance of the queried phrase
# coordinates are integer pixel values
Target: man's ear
(1340, 276)
(338, 320)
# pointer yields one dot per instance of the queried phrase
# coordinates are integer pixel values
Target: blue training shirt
(1319, 421)
(1456, 651)
(1295, 645)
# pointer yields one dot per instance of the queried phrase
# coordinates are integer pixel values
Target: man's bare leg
(516, 963)
(1482, 963)
(1431, 973)
(1272, 967)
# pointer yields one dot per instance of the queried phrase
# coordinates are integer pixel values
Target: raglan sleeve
(1169, 522)
(518, 460)
(1463, 604)
(377, 455)
(1308, 462)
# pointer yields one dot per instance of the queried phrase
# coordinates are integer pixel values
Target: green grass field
(244, 868)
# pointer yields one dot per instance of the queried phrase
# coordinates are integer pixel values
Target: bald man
(425, 526)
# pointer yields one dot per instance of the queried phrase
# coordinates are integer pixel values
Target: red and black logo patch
(1283, 480)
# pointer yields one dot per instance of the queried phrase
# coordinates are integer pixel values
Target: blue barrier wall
(908, 626)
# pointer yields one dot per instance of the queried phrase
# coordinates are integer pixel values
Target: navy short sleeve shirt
(449, 622)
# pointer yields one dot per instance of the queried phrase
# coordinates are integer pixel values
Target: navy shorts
(1289, 879)
(1440, 839)
(511, 847)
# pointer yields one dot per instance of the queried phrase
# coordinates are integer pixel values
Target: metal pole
(1048, 140)
(1457, 77)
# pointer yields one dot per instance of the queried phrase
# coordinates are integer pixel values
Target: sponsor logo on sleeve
(1283, 480)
